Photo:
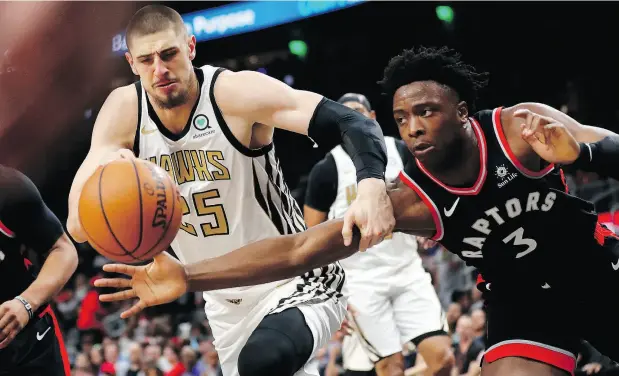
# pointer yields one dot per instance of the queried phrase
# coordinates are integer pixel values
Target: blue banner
(244, 17)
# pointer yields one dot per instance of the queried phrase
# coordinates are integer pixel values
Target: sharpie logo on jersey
(504, 176)
(202, 124)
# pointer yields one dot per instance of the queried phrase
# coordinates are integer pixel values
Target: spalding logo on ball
(130, 210)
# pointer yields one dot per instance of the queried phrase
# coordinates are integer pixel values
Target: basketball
(130, 210)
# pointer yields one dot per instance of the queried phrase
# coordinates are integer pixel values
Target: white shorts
(231, 328)
(391, 311)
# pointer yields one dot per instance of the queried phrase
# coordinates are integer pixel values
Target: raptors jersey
(231, 195)
(515, 225)
(398, 251)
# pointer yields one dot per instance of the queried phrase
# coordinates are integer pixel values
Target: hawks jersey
(512, 222)
(397, 252)
(231, 195)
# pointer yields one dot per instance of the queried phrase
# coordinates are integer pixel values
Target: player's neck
(462, 168)
(175, 119)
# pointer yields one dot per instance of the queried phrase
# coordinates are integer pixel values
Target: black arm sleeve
(23, 211)
(322, 185)
(601, 157)
(333, 124)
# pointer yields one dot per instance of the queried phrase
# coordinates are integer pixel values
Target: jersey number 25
(218, 223)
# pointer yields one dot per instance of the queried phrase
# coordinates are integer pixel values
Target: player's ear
(463, 112)
(130, 61)
(192, 47)
(373, 114)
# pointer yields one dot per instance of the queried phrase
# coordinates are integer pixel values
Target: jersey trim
(165, 131)
(436, 216)
(541, 352)
(6, 231)
(252, 153)
(483, 170)
(498, 130)
(136, 138)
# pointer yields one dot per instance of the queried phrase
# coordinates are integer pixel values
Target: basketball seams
(140, 207)
(107, 222)
(165, 231)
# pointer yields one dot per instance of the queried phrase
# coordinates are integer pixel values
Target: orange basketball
(130, 210)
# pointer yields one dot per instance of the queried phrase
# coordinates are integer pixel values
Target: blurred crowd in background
(57, 66)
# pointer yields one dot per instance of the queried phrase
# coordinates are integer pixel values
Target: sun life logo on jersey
(201, 123)
(504, 175)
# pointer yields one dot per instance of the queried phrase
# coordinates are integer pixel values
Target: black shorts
(38, 350)
(546, 324)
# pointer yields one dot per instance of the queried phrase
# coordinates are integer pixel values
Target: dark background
(62, 68)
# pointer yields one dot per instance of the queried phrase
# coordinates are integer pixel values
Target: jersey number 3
(517, 238)
(218, 224)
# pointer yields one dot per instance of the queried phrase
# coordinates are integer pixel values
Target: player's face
(163, 62)
(360, 108)
(430, 120)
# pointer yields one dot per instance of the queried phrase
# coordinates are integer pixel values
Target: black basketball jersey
(25, 223)
(513, 222)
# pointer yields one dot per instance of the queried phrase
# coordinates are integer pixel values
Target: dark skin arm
(264, 261)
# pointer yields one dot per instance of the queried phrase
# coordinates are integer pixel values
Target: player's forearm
(272, 259)
(59, 266)
(601, 157)
(361, 136)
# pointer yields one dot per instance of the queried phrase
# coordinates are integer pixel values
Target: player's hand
(551, 140)
(371, 212)
(592, 368)
(118, 154)
(13, 318)
(162, 281)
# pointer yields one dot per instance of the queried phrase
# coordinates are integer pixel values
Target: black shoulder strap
(136, 139)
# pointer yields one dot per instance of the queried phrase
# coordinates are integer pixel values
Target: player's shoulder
(15, 183)
(125, 96)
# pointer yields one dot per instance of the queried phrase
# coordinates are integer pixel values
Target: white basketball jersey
(231, 195)
(400, 250)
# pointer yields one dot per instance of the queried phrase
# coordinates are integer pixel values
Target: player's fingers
(134, 310)
(120, 268)
(364, 243)
(10, 329)
(113, 282)
(347, 229)
(528, 135)
(5, 322)
(121, 295)
(522, 113)
(8, 339)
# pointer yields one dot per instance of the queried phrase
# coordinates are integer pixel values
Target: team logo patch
(201, 122)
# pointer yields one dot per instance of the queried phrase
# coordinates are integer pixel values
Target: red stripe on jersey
(480, 279)
(498, 128)
(529, 350)
(438, 223)
(483, 169)
(58, 333)
(6, 231)
(567, 189)
(601, 233)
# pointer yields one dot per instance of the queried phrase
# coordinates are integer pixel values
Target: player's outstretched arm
(557, 138)
(288, 256)
(27, 218)
(268, 260)
(112, 137)
(258, 98)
